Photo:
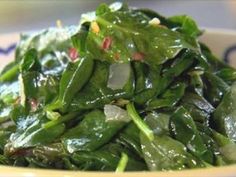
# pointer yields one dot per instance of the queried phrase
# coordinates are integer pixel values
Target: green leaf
(49, 153)
(73, 79)
(46, 41)
(196, 82)
(224, 117)
(4, 136)
(215, 88)
(96, 93)
(3, 160)
(183, 62)
(129, 137)
(187, 25)
(30, 61)
(91, 133)
(79, 39)
(105, 159)
(198, 107)
(147, 82)
(31, 133)
(184, 130)
(158, 122)
(52, 46)
(169, 98)
(165, 153)
(163, 20)
(227, 148)
(38, 87)
(131, 33)
(207, 136)
(227, 74)
(102, 9)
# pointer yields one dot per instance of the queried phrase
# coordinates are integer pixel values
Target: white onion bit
(115, 113)
(119, 74)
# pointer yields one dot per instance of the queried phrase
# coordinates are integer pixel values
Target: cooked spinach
(126, 90)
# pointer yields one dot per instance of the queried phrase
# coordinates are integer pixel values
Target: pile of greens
(127, 90)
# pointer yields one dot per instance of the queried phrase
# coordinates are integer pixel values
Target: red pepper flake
(33, 104)
(138, 56)
(106, 44)
(73, 54)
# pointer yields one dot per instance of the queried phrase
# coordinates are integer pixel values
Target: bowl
(222, 42)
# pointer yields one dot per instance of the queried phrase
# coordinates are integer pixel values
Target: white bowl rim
(25, 172)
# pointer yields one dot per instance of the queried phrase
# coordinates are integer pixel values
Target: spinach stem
(60, 120)
(139, 121)
(122, 163)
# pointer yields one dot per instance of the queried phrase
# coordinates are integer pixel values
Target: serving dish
(222, 43)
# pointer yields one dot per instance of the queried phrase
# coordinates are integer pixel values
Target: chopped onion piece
(119, 74)
(155, 21)
(115, 113)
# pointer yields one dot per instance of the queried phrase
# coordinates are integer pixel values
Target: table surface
(27, 15)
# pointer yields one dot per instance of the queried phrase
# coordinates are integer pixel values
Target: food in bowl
(127, 90)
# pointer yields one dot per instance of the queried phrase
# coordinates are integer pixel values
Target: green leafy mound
(126, 90)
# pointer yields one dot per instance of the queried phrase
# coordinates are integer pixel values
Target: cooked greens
(127, 90)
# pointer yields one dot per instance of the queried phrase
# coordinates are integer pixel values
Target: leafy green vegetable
(105, 159)
(184, 130)
(158, 122)
(73, 79)
(96, 93)
(93, 132)
(131, 34)
(148, 85)
(187, 25)
(30, 132)
(227, 147)
(165, 153)
(215, 88)
(30, 61)
(224, 118)
(126, 90)
(169, 98)
(199, 108)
